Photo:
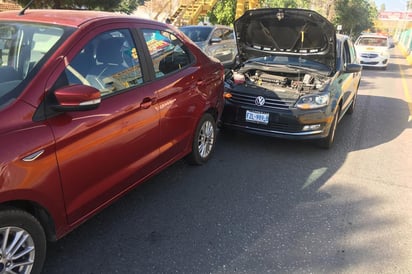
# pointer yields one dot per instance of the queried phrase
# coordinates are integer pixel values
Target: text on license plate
(257, 117)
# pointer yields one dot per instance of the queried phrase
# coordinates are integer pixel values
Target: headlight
(313, 101)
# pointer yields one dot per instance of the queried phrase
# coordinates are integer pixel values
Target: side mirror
(77, 98)
(353, 68)
(215, 40)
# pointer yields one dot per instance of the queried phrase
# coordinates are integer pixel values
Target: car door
(229, 42)
(179, 102)
(103, 152)
(222, 45)
(350, 80)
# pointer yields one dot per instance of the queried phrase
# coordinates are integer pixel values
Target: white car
(373, 50)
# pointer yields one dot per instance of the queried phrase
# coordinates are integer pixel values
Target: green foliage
(223, 13)
(285, 3)
(126, 6)
(355, 16)
(225, 10)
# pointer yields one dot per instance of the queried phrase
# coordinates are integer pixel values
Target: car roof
(72, 18)
(206, 26)
(373, 35)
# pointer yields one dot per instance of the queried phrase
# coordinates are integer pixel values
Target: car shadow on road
(260, 205)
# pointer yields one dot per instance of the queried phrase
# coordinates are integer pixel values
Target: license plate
(257, 117)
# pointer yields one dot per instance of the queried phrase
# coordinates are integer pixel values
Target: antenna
(26, 7)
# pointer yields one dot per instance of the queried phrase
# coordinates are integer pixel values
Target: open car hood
(286, 32)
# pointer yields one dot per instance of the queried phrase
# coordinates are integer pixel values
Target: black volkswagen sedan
(296, 77)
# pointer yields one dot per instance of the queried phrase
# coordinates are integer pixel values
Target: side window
(217, 34)
(352, 52)
(168, 53)
(227, 34)
(109, 63)
(346, 53)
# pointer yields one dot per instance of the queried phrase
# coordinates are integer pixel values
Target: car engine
(275, 81)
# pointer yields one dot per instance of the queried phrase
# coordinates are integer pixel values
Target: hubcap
(206, 139)
(17, 250)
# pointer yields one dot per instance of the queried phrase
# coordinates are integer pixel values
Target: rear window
(373, 41)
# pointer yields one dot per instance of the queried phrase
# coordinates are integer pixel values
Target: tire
(18, 225)
(204, 140)
(352, 104)
(327, 142)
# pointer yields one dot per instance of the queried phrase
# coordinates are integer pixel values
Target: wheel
(204, 140)
(328, 141)
(352, 104)
(22, 242)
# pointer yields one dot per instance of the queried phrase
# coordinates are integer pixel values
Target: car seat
(109, 57)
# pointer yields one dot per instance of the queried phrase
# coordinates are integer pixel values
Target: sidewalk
(405, 44)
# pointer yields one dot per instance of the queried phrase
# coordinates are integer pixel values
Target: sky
(392, 5)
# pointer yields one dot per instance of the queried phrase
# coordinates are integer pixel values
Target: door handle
(146, 103)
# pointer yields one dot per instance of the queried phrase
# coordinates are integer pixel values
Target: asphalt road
(264, 205)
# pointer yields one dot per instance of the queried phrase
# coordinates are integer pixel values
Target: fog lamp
(311, 127)
(227, 95)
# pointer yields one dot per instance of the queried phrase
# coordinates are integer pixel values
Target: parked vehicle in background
(216, 41)
(92, 104)
(296, 77)
(373, 50)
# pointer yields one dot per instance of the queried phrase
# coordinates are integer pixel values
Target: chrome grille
(243, 99)
(369, 55)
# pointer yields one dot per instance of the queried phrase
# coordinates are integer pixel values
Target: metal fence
(404, 40)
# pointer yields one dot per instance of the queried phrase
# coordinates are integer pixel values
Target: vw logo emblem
(260, 101)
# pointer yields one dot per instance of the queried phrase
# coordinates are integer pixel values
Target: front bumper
(373, 60)
(282, 123)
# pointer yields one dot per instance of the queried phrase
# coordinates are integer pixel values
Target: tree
(125, 6)
(355, 16)
(285, 3)
(223, 12)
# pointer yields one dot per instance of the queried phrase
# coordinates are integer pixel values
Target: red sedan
(92, 104)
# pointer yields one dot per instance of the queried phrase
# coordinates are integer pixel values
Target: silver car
(217, 41)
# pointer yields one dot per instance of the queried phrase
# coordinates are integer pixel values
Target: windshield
(292, 62)
(22, 49)
(373, 41)
(197, 34)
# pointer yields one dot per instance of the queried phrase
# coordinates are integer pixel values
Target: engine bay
(275, 81)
